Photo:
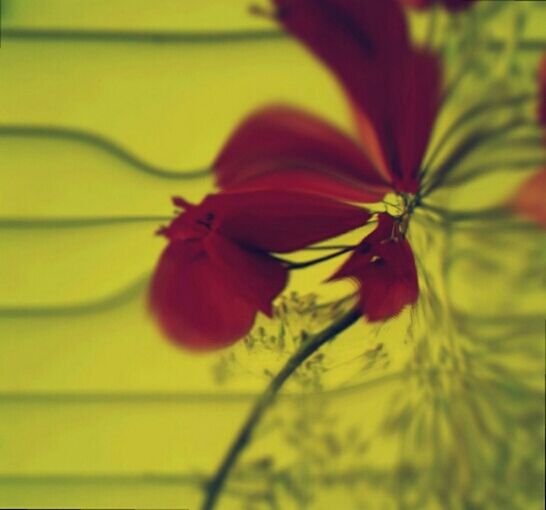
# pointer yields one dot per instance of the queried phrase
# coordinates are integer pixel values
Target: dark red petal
(384, 267)
(451, 5)
(412, 111)
(530, 201)
(542, 90)
(418, 4)
(383, 294)
(285, 148)
(394, 89)
(457, 5)
(194, 304)
(281, 221)
(255, 276)
(346, 34)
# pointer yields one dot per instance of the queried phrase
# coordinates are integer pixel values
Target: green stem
(308, 263)
(470, 144)
(216, 485)
(468, 116)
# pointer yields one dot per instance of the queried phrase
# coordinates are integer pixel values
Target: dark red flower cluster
(218, 270)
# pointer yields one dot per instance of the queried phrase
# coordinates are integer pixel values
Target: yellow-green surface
(103, 107)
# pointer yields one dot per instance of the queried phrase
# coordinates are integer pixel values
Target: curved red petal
(384, 267)
(384, 295)
(394, 88)
(530, 200)
(255, 276)
(192, 301)
(282, 221)
(457, 5)
(347, 34)
(285, 148)
(310, 181)
(418, 4)
(411, 115)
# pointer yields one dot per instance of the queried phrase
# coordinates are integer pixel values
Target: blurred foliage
(106, 110)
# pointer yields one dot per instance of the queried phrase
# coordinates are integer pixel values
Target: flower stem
(471, 114)
(216, 484)
(471, 143)
(302, 265)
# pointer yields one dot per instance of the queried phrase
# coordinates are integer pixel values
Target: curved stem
(468, 116)
(308, 263)
(215, 486)
(473, 142)
(490, 168)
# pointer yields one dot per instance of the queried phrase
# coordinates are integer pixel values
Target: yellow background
(96, 408)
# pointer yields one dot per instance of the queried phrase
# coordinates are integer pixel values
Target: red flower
(384, 267)
(394, 90)
(530, 200)
(217, 272)
(451, 5)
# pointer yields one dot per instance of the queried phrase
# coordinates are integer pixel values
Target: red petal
(384, 294)
(347, 34)
(193, 302)
(530, 199)
(255, 276)
(385, 270)
(457, 5)
(285, 148)
(394, 90)
(418, 4)
(413, 108)
(451, 5)
(282, 221)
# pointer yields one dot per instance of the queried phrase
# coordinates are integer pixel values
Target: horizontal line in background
(184, 37)
(112, 478)
(118, 298)
(195, 37)
(173, 398)
(44, 222)
(8, 397)
(121, 398)
(103, 143)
